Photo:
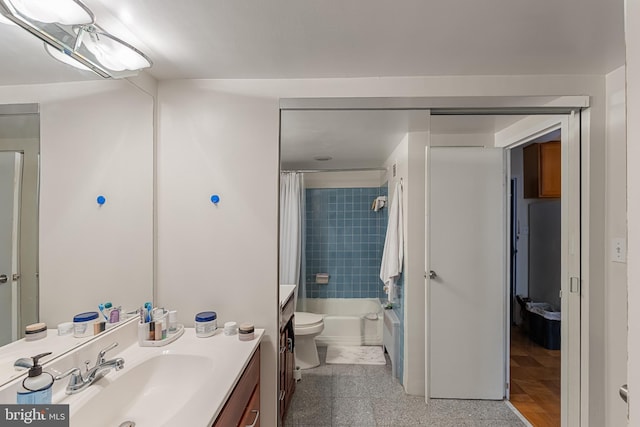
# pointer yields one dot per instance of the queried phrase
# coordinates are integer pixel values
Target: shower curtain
(292, 240)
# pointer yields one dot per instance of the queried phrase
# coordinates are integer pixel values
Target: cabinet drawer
(234, 409)
(251, 417)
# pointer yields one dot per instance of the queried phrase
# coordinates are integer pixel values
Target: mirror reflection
(19, 151)
(92, 226)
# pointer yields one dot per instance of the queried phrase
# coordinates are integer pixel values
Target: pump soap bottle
(37, 387)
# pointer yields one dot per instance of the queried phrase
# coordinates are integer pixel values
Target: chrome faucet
(79, 382)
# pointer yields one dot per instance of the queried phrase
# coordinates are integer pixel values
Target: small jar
(83, 324)
(35, 331)
(206, 324)
(246, 332)
(65, 328)
(230, 328)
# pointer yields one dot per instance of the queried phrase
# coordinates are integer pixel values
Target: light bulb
(66, 12)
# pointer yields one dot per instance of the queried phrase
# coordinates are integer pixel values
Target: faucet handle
(76, 376)
(104, 351)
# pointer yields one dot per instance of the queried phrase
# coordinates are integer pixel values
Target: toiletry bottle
(108, 308)
(37, 387)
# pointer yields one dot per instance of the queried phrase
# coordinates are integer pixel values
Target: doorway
(413, 347)
(536, 235)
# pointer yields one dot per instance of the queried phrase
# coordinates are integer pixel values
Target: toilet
(307, 327)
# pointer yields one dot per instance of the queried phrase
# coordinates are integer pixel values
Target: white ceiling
(310, 38)
(364, 138)
(349, 38)
(354, 138)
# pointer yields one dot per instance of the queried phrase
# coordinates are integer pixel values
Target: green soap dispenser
(37, 387)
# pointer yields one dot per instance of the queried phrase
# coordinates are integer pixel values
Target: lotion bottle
(37, 387)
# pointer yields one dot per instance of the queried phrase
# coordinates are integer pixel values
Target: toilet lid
(307, 319)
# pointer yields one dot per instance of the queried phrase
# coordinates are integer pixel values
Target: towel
(393, 253)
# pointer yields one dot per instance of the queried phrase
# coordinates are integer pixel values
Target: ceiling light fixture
(65, 12)
(60, 56)
(4, 20)
(71, 35)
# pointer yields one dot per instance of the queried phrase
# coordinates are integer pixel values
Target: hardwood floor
(535, 380)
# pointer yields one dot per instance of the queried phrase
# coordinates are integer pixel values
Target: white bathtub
(348, 321)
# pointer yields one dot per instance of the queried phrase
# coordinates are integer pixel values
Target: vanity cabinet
(542, 170)
(287, 358)
(243, 406)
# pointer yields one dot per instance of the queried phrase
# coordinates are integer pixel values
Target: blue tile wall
(344, 238)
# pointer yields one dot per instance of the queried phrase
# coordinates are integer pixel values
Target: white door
(466, 253)
(8, 245)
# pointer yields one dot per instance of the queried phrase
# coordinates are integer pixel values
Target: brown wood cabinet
(287, 383)
(243, 406)
(542, 170)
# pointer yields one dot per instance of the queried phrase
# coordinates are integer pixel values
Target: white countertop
(203, 402)
(229, 355)
(53, 343)
(285, 292)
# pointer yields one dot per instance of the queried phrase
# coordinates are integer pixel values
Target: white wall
(462, 140)
(224, 257)
(632, 29)
(222, 136)
(344, 179)
(96, 139)
(616, 272)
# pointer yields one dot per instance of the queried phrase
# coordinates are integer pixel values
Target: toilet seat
(308, 323)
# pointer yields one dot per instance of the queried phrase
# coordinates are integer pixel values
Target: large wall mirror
(19, 155)
(90, 138)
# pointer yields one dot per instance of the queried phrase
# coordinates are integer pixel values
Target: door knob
(3, 278)
(432, 274)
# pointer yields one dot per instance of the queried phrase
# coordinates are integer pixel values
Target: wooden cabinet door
(236, 406)
(282, 381)
(550, 170)
(542, 170)
(251, 416)
(290, 365)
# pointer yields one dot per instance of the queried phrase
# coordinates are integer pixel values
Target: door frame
(574, 339)
(27, 283)
(482, 104)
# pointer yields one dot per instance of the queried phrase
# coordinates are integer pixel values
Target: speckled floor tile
(471, 409)
(314, 385)
(410, 410)
(352, 412)
(344, 386)
(322, 370)
(311, 411)
(348, 370)
(496, 423)
(367, 396)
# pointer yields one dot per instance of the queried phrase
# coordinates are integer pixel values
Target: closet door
(466, 300)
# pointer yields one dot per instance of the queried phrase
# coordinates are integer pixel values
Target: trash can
(544, 325)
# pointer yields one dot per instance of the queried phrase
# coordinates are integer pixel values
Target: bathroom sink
(142, 394)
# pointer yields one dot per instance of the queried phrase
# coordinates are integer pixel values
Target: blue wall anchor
(101, 200)
(215, 199)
